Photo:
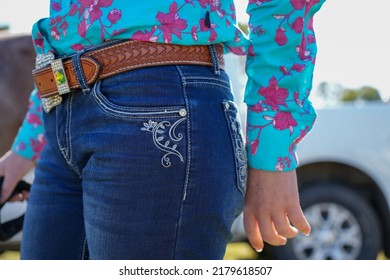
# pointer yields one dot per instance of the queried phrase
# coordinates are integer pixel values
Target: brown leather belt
(118, 58)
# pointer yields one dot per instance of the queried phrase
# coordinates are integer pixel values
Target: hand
(13, 167)
(272, 212)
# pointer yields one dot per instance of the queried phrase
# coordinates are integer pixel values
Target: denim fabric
(149, 164)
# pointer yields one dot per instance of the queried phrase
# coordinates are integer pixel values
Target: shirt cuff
(272, 138)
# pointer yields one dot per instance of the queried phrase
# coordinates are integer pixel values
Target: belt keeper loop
(214, 58)
(79, 71)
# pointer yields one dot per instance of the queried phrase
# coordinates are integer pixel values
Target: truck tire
(344, 226)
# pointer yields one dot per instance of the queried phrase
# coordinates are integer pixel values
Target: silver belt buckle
(57, 67)
(49, 103)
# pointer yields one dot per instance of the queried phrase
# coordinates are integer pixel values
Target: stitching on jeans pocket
(127, 112)
(236, 135)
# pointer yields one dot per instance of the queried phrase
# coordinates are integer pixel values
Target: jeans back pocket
(237, 138)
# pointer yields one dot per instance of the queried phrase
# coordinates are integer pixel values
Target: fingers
(24, 195)
(269, 233)
(283, 226)
(252, 231)
(274, 231)
(298, 219)
(9, 185)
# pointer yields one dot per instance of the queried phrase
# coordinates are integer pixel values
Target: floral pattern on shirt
(31, 140)
(85, 23)
(280, 51)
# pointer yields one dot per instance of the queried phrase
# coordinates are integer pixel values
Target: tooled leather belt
(60, 77)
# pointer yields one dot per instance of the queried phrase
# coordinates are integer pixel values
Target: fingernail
(259, 250)
(306, 234)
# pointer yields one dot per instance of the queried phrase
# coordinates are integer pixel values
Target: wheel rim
(336, 234)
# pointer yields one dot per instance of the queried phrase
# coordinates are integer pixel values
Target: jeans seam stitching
(186, 180)
(63, 150)
(191, 78)
(208, 83)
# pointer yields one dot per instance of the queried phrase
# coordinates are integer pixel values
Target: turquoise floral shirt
(280, 50)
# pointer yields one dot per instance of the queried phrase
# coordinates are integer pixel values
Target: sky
(352, 35)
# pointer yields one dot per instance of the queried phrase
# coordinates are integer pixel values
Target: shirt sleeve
(280, 68)
(30, 139)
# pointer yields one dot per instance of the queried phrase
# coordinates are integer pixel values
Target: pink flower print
(284, 120)
(297, 25)
(93, 6)
(77, 47)
(39, 43)
(251, 51)
(274, 95)
(21, 146)
(194, 34)
(257, 108)
(310, 4)
(99, 3)
(114, 15)
(34, 120)
(37, 146)
(203, 3)
(56, 6)
(204, 27)
(31, 104)
(105, 3)
(282, 163)
(86, 3)
(55, 33)
(145, 35)
(237, 50)
(302, 135)
(311, 39)
(116, 32)
(171, 23)
(64, 26)
(258, 2)
(296, 99)
(284, 70)
(280, 37)
(254, 145)
(95, 14)
(298, 67)
(82, 28)
(190, 2)
(298, 4)
(303, 53)
(73, 9)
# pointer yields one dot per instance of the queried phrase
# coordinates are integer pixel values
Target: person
(139, 147)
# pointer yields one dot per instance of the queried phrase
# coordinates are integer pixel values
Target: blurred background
(345, 161)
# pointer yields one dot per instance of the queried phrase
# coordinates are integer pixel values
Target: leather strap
(124, 56)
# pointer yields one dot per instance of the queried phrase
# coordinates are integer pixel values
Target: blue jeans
(149, 164)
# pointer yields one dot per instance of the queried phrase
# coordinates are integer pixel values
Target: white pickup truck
(344, 179)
